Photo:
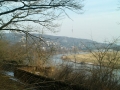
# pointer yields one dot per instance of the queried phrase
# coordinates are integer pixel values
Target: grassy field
(88, 58)
(95, 58)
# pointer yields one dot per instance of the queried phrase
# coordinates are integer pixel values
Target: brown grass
(95, 58)
(7, 84)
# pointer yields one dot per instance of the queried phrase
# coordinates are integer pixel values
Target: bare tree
(16, 15)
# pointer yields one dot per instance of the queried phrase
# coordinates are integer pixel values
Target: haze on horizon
(99, 21)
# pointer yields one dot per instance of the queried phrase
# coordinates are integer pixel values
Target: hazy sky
(100, 21)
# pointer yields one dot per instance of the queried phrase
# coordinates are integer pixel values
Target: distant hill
(62, 41)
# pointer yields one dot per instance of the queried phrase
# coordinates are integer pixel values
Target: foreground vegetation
(7, 84)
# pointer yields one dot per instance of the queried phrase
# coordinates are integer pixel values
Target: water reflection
(8, 73)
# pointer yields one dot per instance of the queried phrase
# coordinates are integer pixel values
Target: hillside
(59, 41)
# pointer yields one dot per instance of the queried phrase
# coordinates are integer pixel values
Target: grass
(81, 58)
(98, 56)
(7, 84)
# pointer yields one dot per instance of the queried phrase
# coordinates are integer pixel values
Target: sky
(99, 22)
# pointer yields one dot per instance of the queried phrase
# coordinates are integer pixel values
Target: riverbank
(6, 83)
(97, 58)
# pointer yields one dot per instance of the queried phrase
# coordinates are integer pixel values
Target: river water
(10, 74)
